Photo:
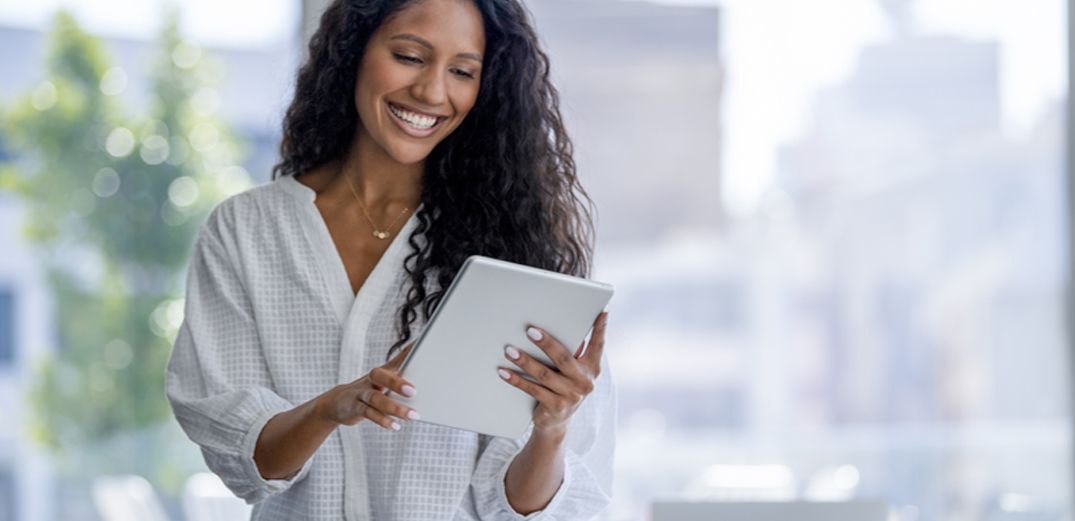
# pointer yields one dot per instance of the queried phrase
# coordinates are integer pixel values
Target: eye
(406, 58)
(463, 73)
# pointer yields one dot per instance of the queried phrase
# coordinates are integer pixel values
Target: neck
(380, 180)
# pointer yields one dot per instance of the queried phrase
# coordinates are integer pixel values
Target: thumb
(397, 361)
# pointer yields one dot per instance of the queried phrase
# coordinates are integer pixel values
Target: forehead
(450, 25)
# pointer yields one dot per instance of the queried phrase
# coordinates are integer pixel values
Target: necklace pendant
(380, 235)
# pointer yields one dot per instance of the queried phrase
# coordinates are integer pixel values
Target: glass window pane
(840, 276)
(7, 327)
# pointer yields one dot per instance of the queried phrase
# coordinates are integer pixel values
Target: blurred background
(838, 230)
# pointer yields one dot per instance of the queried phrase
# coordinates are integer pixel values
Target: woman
(432, 120)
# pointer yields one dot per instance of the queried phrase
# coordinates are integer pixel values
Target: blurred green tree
(113, 202)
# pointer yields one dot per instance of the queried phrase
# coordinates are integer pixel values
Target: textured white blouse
(271, 322)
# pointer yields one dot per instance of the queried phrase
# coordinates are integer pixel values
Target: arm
(217, 381)
(535, 474)
(291, 437)
(559, 469)
(221, 391)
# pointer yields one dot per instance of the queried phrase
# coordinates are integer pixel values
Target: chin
(410, 159)
(409, 155)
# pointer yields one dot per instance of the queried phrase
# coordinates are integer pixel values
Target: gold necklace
(376, 233)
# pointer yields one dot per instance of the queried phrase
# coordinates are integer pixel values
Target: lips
(412, 122)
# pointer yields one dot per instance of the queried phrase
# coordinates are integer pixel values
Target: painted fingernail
(512, 352)
(533, 333)
(409, 391)
(503, 374)
(413, 415)
(395, 426)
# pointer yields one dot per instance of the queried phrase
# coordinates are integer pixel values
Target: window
(870, 297)
(7, 327)
(8, 507)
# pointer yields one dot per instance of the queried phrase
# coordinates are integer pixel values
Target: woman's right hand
(366, 398)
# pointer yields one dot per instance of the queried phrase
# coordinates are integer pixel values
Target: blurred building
(642, 88)
(880, 310)
(24, 333)
(942, 241)
(928, 211)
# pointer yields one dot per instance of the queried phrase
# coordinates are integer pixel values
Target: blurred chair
(766, 511)
(127, 498)
(206, 498)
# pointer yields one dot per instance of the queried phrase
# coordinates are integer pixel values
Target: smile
(414, 123)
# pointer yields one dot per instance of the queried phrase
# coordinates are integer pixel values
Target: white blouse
(271, 322)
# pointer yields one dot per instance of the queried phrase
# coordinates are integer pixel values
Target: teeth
(415, 120)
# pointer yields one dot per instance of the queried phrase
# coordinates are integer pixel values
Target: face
(419, 77)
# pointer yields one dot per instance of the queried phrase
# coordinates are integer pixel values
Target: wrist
(549, 435)
(322, 406)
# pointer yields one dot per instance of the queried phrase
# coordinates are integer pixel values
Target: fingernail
(512, 352)
(409, 391)
(503, 374)
(395, 426)
(413, 415)
(533, 333)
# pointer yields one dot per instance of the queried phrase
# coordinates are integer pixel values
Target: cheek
(374, 79)
(364, 99)
(465, 99)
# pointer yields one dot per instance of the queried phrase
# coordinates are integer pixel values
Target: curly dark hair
(503, 185)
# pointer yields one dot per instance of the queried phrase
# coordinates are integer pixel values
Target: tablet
(488, 306)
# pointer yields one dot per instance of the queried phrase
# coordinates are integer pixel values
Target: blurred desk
(769, 511)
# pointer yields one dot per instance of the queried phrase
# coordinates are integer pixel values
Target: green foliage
(113, 202)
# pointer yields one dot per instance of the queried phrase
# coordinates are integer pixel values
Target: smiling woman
(441, 111)
(412, 91)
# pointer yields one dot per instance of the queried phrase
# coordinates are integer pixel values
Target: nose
(430, 87)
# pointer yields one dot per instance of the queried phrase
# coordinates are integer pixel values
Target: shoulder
(240, 212)
(240, 219)
(244, 205)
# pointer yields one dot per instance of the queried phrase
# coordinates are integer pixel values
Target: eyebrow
(425, 43)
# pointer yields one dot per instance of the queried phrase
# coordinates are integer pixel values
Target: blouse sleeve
(586, 488)
(216, 380)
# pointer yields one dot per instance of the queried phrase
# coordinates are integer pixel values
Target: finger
(379, 418)
(547, 376)
(540, 393)
(388, 406)
(366, 395)
(556, 352)
(388, 379)
(592, 357)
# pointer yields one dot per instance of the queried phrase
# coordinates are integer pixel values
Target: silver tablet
(488, 306)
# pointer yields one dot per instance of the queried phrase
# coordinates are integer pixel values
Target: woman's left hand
(559, 390)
